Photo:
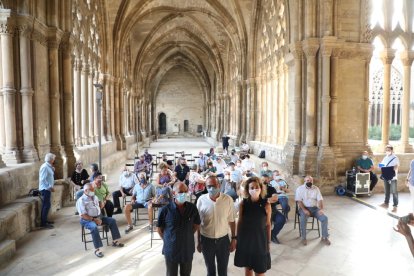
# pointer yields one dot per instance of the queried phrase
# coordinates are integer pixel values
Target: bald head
(180, 187)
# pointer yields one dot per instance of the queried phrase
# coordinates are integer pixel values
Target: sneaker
(118, 211)
(326, 241)
(47, 226)
(384, 205)
(394, 209)
(304, 242)
(76, 213)
(129, 229)
(275, 240)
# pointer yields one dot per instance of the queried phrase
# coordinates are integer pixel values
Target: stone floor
(363, 242)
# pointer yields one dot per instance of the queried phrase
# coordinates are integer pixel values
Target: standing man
(365, 165)
(310, 203)
(217, 214)
(225, 140)
(177, 223)
(46, 183)
(389, 169)
(127, 182)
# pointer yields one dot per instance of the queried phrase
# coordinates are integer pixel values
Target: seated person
(202, 162)
(220, 165)
(310, 203)
(235, 175)
(79, 176)
(211, 170)
(90, 213)
(278, 219)
(228, 187)
(147, 157)
(282, 190)
(265, 169)
(127, 182)
(182, 171)
(102, 193)
(244, 148)
(248, 165)
(94, 172)
(141, 198)
(366, 165)
(239, 167)
(196, 183)
(142, 166)
(163, 183)
(234, 156)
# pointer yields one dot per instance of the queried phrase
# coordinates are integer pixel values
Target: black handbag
(387, 173)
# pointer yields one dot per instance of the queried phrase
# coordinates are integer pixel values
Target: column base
(11, 157)
(308, 160)
(2, 164)
(292, 158)
(326, 163)
(120, 142)
(405, 148)
(30, 155)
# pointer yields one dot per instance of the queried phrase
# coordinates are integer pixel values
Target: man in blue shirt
(177, 223)
(46, 183)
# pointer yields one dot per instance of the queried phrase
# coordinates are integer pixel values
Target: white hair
(49, 157)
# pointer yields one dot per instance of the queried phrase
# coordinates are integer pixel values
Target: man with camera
(389, 172)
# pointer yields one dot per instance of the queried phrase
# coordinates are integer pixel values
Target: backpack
(262, 154)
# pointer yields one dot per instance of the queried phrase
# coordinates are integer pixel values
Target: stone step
(7, 250)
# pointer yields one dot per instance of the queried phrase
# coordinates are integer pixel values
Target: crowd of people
(227, 190)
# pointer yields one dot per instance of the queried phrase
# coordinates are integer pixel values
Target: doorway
(162, 123)
(185, 125)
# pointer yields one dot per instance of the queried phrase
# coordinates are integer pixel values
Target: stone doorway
(186, 125)
(162, 123)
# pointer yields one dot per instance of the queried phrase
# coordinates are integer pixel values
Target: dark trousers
(172, 268)
(374, 180)
(117, 194)
(109, 208)
(216, 249)
(279, 221)
(390, 187)
(92, 226)
(46, 194)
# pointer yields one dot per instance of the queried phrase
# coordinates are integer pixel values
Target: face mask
(254, 193)
(142, 181)
(277, 177)
(91, 194)
(126, 173)
(309, 184)
(388, 153)
(213, 191)
(227, 177)
(265, 168)
(364, 157)
(181, 198)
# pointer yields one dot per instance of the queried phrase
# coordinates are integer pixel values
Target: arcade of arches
(304, 80)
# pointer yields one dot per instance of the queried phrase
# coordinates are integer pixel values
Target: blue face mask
(181, 198)
(213, 191)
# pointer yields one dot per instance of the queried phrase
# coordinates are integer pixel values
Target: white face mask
(91, 194)
(254, 193)
(227, 177)
(388, 153)
(364, 157)
(265, 168)
(126, 173)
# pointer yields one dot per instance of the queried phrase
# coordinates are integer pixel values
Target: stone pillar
(326, 157)
(91, 104)
(307, 164)
(95, 108)
(84, 104)
(269, 96)
(68, 108)
(293, 145)
(259, 109)
(11, 153)
(54, 100)
(387, 57)
(274, 107)
(250, 106)
(77, 100)
(407, 60)
(26, 91)
(2, 123)
(280, 101)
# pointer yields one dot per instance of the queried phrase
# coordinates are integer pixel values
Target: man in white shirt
(389, 168)
(310, 203)
(220, 166)
(127, 182)
(248, 165)
(217, 214)
(235, 175)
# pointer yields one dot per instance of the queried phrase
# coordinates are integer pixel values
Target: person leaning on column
(46, 183)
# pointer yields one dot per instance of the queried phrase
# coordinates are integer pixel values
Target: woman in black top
(79, 176)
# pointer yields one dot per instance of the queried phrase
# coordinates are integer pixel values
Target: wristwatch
(234, 238)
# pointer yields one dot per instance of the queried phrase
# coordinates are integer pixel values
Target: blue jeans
(314, 213)
(96, 238)
(391, 190)
(279, 221)
(216, 249)
(284, 202)
(46, 194)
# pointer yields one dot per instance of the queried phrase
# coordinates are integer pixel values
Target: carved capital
(310, 47)
(387, 56)
(407, 58)
(296, 50)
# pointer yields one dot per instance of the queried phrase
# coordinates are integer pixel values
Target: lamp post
(99, 95)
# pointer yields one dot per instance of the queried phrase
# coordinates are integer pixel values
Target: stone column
(54, 100)
(275, 106)
(68, 107)
(26, 91)
(2, 123)
(407, 60)
(91, 103)
(293, 145)
(269, 100)
(259, 109)
(307, 163)
(387, 57)
(95, 108)
(281, 106)
(85, 105)
(11, 153)
(77, 99)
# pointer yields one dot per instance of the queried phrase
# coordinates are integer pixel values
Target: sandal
(117, 244)
(98, 253)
